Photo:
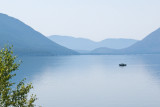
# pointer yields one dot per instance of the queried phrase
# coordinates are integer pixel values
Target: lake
(94, 81)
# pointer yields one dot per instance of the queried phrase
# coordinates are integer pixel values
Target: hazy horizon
(95, 20)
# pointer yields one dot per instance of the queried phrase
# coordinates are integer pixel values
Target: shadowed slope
(26, 40)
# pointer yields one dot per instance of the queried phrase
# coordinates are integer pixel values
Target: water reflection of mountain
(33, 66)
(151, 63)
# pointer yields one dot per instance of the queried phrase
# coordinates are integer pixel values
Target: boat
(122, 64)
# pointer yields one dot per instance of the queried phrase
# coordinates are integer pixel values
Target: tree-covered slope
(150, 44)
(26, 40)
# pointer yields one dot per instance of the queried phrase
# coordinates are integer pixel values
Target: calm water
(94, 81)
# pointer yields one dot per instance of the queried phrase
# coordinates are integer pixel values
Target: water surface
(94, 81)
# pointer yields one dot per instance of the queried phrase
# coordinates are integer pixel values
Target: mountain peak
(26, 40)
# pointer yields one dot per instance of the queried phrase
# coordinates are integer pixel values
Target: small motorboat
(122, 64)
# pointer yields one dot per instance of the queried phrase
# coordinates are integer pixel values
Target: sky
(92, 19)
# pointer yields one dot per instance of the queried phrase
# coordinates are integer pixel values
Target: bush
(11, 94)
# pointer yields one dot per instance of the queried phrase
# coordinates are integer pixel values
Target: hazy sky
(94, 19)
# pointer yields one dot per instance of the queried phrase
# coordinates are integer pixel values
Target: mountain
(119, 43)
(103, 50)
(73, 43)
(149, 45)
(83, 44)
(26, 40)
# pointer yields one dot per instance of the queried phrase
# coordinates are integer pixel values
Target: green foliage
(11, 94)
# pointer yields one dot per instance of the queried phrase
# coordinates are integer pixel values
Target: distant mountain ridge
(86, 44)
(73, 43)
(26, 40)
(149, 45)
(103, 50)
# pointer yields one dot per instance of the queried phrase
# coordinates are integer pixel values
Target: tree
(12, 94)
